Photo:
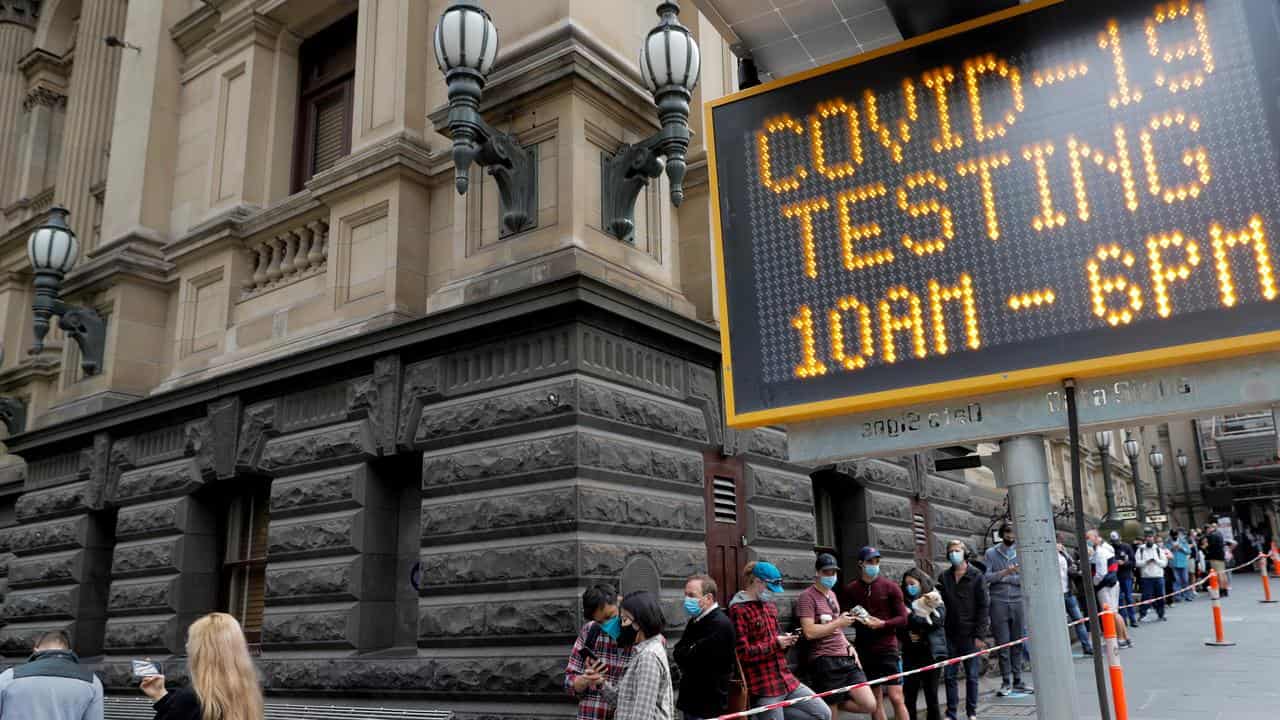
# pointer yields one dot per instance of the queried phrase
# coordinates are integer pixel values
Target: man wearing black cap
(877, 639)
(832, 661)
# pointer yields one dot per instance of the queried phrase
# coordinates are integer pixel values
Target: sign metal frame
(988, 384)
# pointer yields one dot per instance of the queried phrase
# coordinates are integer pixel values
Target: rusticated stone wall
(432, 520)
(164, 569)
(60, 571)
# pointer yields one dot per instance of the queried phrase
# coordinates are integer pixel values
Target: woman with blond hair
(224, 685)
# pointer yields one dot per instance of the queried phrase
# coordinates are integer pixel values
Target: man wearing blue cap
(762, 648)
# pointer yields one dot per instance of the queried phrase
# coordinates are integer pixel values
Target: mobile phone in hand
(145, 669)
(587, 655)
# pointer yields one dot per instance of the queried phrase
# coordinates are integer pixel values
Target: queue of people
(853, 629)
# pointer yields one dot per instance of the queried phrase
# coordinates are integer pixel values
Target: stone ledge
(333, 444)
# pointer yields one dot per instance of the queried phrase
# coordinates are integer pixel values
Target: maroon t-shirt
(883, 599)
(822, 609)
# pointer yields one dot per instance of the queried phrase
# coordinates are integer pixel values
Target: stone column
(391, 66)
(90, 109)
(16, 25)
(144, 140)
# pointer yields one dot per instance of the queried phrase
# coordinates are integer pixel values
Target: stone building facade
(338, 400)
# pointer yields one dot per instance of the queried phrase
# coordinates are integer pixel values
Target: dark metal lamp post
(53, 250)
(1131, 449)
(1103, 439)
(669, 64)
(1156, 458)
(1186, 489)
(466, 45)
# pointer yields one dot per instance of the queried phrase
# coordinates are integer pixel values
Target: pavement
(1170, 674)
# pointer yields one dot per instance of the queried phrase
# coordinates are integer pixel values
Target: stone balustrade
(286, 257)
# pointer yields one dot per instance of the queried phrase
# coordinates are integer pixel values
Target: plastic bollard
(1219, 636)
(1266, 584)
(1118, 699)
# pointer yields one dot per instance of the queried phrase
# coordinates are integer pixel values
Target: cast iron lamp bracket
(466, 46)
(53, 250)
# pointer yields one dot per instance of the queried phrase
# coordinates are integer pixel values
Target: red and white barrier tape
(955, 660)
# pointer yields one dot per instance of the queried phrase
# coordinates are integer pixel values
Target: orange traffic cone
(1219, 637)
(1108, 619)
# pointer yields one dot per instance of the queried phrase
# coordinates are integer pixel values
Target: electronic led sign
(1063, 189)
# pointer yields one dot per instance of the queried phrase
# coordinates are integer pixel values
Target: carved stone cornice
(563, 51)
(195, 27)
(20, 12)
(45, 97)
(40, 64)
(400, 152)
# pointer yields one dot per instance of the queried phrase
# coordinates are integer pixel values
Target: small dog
(926, 604)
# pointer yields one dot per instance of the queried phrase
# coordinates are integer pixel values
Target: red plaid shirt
(591, 703)
(763, 662)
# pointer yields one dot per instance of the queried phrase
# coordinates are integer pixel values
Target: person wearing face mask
(877, 639)
(644, 692)
(762, 648)
(705, 652)
(965, 596)
(924, 641)
(597, 643)
(1004, 584)
(1151, 562)
(832, 661)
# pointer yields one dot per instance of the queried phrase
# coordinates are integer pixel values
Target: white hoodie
(1151, 560)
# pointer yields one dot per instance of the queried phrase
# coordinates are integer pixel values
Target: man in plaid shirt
(762, 648)
(596, 641)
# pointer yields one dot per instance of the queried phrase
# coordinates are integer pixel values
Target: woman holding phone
(224, 685)
(645, 691)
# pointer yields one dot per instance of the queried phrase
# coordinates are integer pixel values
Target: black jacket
(1125, 550)
(924, 642)
(1216, 547)
(180, 704)
(705, 656)
(967, 604)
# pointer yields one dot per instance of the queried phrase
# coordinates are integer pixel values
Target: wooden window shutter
(326, 68)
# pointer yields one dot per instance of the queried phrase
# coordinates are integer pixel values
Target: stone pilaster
(15, 41)
(144, 138)
(90, 111)
(391, 67)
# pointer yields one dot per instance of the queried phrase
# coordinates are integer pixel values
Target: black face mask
(1008, 541)
(627, 637)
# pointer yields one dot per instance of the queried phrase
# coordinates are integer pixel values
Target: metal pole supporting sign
(1027, 476)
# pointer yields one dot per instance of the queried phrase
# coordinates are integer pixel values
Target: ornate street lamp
(1103, 439)
(53, 250)
(669, 64)
(466, 45)
(1186, 489)
(1131, 448)
(1156, 458)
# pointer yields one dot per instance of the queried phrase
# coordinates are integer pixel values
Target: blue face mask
(612, 627)
(691, 607)
(871, 571)
(913, 590)
(956, 557)
(828, 581)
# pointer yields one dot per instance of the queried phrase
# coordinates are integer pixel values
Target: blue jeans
(1073, 613)
(1181, 581)
(811, 709)
(1153, 588)
(1126, 598)
(957, 647)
